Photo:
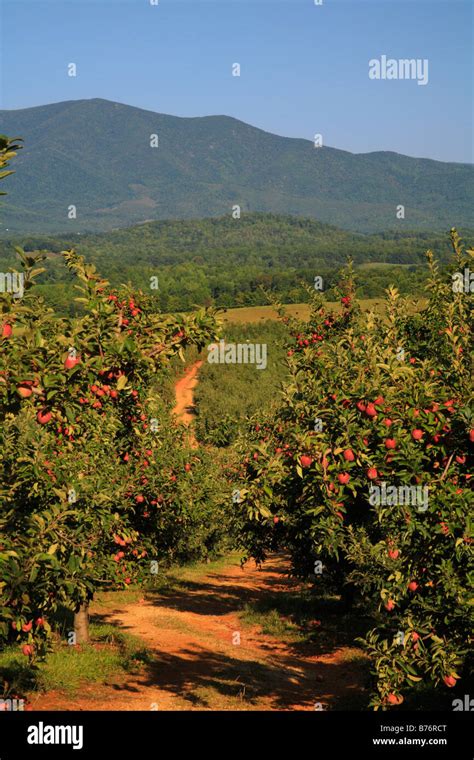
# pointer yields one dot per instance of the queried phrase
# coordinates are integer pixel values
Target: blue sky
(304, 68)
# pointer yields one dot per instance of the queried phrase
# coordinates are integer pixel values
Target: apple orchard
(376, 402)
(98, 484)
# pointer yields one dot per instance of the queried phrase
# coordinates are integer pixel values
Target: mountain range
(97, 156)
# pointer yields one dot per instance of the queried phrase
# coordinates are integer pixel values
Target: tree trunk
(81, 624)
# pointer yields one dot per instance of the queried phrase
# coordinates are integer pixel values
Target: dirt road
(204, 658)
(184, 392)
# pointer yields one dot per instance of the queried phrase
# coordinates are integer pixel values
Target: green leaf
(122, 382)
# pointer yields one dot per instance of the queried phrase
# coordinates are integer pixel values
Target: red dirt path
(184, 389)
(197, 662)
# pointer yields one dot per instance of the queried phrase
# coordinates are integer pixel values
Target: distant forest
(231, 262)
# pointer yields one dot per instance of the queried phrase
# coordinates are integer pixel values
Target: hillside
(224, 261)
(96, 155)
(266, 240)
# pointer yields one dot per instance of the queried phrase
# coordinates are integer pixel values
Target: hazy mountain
(96, 155)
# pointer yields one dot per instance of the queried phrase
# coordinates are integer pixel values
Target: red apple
(449, 681)
(24, 391)
(26, 627)
(306, 461)
(187, 466)
(372, 473)
(276, 519)
(415, 636)
(412, 586)
(71, 362)
(393, 553)
(7, 331)
(43, 417)
(27, 650)
(390, 605)
(390, 443)
(394, 699)
(417, 434)
(343, 478)
(370, 410)
(348, 455)
(361, 406)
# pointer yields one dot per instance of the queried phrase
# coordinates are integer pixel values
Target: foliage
(228, 262)
(373, 401)
(97, 482)
(8, 148)
(227, 394)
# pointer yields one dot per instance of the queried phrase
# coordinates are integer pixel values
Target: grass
(245, 314)
(66, 668)
(306, 616)
(195, 570)
(299, 310)
(175, 578)
(353, 654)
(271, 623)
(117, 598)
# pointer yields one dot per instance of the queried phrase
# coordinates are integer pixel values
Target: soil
(184, 392)
(204, 658)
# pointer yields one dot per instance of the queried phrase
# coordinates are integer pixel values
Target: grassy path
(208, 649)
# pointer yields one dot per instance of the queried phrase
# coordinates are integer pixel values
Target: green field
(301, 310)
